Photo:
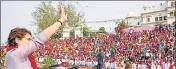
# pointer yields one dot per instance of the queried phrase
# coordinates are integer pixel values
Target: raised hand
(63, 14)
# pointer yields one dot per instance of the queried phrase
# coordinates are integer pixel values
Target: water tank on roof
(131, 14)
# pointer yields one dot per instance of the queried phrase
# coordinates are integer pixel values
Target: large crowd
(127, 50)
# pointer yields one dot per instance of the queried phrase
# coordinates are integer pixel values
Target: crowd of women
(126, 50)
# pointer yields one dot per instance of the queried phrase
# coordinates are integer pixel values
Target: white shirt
(159, 67)
(166, 65)
(107, 64)
(133, 66)
(153, 66)
(41, 59)
(59, 61)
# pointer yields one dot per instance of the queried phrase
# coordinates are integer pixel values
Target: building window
(148, 19)
(160, 18)
(165, 17)
(171, 13)
(172, 3)
(161, 4)
(156, 19)
(138, 23)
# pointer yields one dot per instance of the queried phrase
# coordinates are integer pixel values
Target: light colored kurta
(18, 58)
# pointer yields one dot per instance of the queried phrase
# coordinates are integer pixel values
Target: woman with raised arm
(22, 45)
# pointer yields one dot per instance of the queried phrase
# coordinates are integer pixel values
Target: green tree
(102, 30)
(48, 61)
(123, 24)
(73, 16)
(86, 31)
(46, 15)
(72, 33)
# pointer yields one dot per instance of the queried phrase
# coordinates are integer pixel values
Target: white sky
(18, 13)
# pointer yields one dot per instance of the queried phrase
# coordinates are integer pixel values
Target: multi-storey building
(153, 15)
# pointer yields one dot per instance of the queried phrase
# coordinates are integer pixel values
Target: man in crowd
(100, 59)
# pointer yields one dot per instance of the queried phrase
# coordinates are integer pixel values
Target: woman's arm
(23, 52)
(53, 28)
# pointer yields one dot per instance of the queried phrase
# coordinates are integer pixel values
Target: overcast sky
(18, 13)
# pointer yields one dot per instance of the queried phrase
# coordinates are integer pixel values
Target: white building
(66, 32)
(170, 11)
(152, 15)
(78, 31)
(133, 19)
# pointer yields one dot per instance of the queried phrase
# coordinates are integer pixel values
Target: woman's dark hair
(17, 33)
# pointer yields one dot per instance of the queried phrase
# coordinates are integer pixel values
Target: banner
(105, 21)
